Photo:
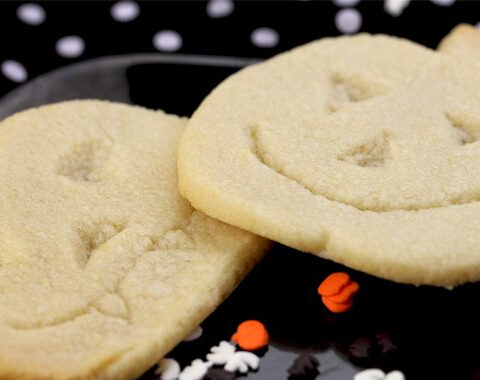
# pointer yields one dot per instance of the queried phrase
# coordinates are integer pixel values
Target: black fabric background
(296, 22)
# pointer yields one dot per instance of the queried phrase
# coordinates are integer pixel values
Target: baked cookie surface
(359, 149)
(104, 267)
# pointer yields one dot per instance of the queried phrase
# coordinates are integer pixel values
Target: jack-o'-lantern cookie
(104, 267)
(359, 149)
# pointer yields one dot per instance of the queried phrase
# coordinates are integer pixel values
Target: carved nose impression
(373, 153)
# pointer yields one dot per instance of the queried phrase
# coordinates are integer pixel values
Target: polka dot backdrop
(38, 37)
(46, 35)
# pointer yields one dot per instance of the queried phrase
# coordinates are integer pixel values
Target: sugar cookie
(359, 149)
(104, 267)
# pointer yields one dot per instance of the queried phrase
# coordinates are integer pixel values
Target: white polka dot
(348, 20)
(197, 333)
(346, 3)
(167, 40)
(443, 3)
(30, 13)
(125, 11)
(70, 46)
(264, 37)
(14, 71)
(219, 8)
(395, 7)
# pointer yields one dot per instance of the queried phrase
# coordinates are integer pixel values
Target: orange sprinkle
(251, 335)
(337, 307)
(346, 294)
(333, 284)
(337, 292)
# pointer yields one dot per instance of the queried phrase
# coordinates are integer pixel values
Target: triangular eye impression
(95, 236)
(351, 90)
(462, 132)
(85, 161)
(372, 153)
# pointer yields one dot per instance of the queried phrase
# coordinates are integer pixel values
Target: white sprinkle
(124, 11)
(168, 369)
(264, 37)
(14, 71)
(395, 375)
(197, 333)
(348, 20)
(167, 40)
(346, 3)
(70, 46)
(31, 14)
(242, 361)
(395, 7)
(194, 371)
(370, 374)
(219, 355)
(219, 8)
(378, 374)
(443, 3)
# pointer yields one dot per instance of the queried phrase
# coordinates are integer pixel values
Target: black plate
(428, 333)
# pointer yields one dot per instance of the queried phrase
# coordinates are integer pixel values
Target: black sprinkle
(361, 348)
(304, 367)
(219, 374)
(385, 344)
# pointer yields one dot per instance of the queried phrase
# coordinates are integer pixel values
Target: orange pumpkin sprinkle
(337, 292)
(333, 284)
(346, 294)
(251, 335)
(337, 307)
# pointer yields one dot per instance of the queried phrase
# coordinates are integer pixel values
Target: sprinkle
(242, 361)
(361, 348)
(385, 344)
(395, 375)
(251, 335)
(168, 369)
(370, 374)
(219, 374)
(337, 307)
(304, 366)
(195, 371)
(346, 294)
(333, 284)
(220, 354)
(378, 374)
(337, 292)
